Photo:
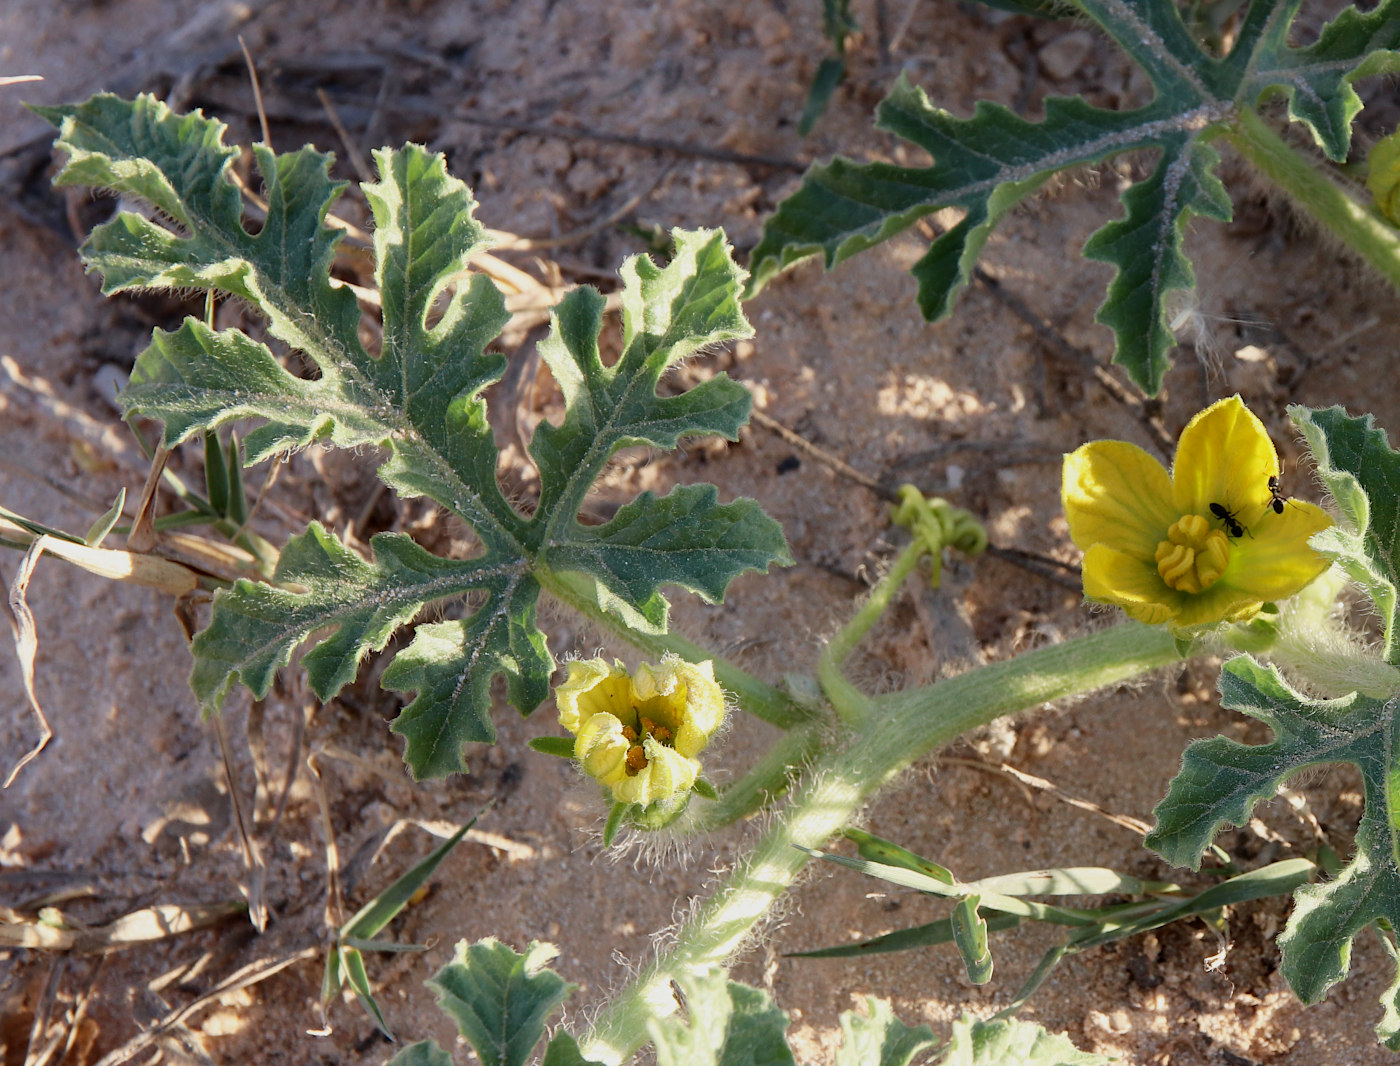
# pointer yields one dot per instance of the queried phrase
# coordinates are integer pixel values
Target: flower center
(1194, 555)
(636, 755)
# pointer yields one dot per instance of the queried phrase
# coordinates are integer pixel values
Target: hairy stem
(909, 725)
(1354, 224)
(852, 706)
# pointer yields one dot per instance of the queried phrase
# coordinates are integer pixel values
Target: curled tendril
(937, 524)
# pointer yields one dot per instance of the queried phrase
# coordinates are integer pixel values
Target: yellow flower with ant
(640, 733)
(1210, 542)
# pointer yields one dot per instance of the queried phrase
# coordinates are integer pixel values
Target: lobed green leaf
(1011, 1042)
(1221, 781)
(499, 999)
(879, 1038)
(420, 401)
(984, 165)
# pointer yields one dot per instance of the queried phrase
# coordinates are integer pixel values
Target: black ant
(1276, 500)
(1232, 524)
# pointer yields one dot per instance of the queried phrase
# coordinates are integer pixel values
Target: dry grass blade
(115, 564)
(257, 91)
(1127, 821)
(511, 242)
(142, 537)
(256, 885)
(16, 79)
(35, 1055)
(143, 926)
(27, 647)
(249, 975)
(335, 911)
(352, 148)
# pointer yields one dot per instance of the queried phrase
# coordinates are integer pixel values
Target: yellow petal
(1130, 583)
(593, 687)
(601, 749)
(1117, 495)
(1274, 561)
(704, 706)
(1224, 457)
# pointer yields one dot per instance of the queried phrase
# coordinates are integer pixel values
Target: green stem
(768, 779)
(911, 724)
(852, 706)
(1354, 224)
(757, 697)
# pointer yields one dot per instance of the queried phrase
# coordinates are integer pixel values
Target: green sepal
(658, 814)
(560, 747)
(616, 814)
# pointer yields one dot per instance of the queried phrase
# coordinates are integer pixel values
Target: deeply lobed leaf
(987, 163)
(1222, 780)
(420, 401)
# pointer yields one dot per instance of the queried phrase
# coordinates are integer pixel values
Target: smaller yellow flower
(640, 734)
(1210, 542)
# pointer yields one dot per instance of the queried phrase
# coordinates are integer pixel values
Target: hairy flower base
(1212, 541)
(640, 734)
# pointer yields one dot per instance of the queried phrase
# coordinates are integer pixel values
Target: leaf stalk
(1355, 225)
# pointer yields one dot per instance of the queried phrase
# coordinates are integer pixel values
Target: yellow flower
(640, 733)
(1210, 542)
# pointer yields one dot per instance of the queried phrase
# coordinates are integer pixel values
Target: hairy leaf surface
(1012, 1042)
(499, 999)
(1362, 472)
(419, 401)
(984, 165)
(1222, 780)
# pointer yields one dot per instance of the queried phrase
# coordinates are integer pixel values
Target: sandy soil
(129, 805)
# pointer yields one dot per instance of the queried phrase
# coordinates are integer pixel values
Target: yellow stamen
(636, 759)
(1194, 555)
